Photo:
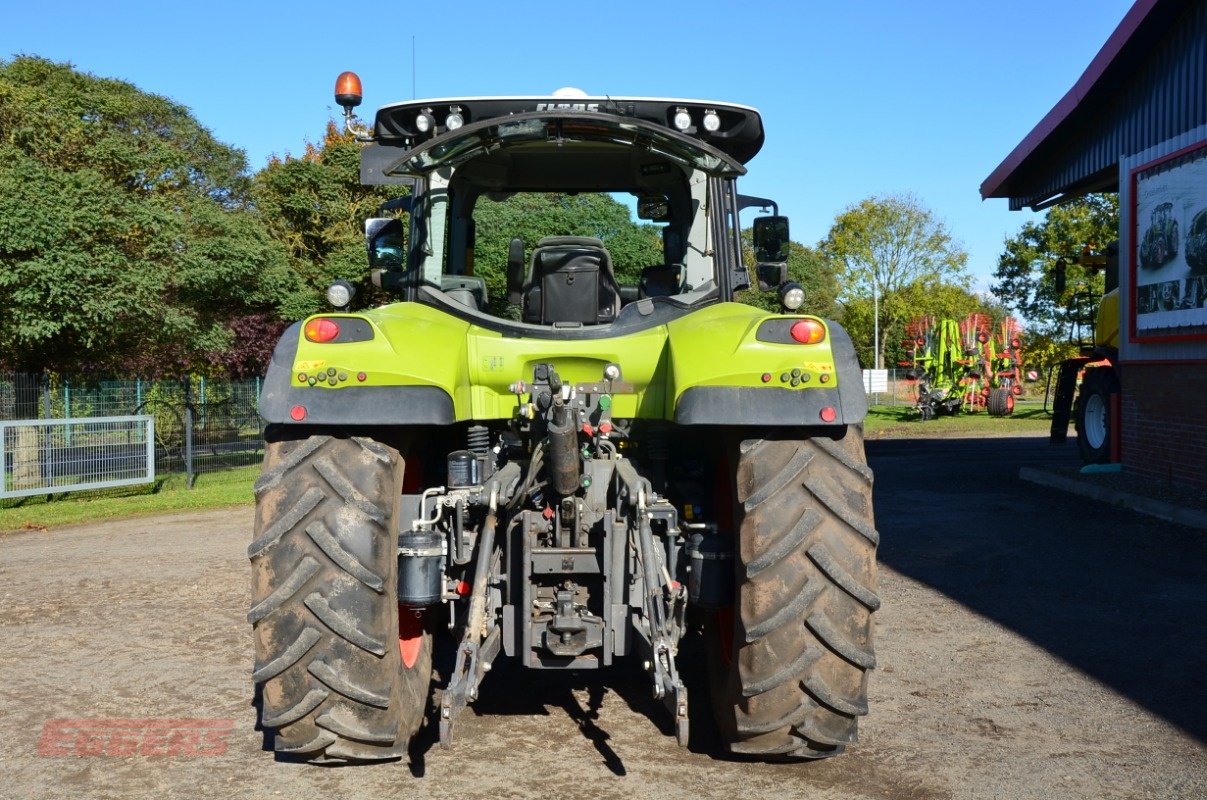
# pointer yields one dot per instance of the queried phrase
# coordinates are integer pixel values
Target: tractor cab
(521, 207)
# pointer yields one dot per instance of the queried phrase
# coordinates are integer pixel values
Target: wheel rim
(1094, 425)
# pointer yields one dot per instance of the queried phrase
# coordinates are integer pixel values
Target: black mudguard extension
(736, 405)
(347, 405)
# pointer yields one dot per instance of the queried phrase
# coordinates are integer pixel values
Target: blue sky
(858, 98)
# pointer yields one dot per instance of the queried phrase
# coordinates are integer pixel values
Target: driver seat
(570, 280)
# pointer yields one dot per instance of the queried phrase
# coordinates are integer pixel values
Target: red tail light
(321, 330)
(808, 331)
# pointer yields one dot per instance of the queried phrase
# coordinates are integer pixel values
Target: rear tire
(789, 672)
(324, 606)
(1094, 415)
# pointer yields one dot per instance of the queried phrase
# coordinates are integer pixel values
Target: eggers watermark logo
(135, 737)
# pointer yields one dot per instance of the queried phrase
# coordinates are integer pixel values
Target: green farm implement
(968, 365)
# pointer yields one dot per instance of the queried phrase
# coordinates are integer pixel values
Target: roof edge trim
(991, 187)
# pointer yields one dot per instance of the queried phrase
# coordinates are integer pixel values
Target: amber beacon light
(347, 91)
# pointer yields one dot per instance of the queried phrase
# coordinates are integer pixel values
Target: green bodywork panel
(420, 345)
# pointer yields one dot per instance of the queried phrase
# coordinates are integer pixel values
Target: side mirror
(653, 207)
(771, 240)
(386, 242)
(771, 276)
(1059, 278)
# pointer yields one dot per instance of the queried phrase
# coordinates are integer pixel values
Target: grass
(232, 487)
(167, 494)
(904, 422)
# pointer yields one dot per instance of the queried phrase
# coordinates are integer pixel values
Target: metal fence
(200, 424)
(61, 455)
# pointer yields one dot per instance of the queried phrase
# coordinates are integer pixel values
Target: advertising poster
(1169, 265)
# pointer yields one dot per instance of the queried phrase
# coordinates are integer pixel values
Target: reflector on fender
(321, 329)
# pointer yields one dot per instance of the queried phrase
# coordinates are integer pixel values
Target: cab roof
(739, 133)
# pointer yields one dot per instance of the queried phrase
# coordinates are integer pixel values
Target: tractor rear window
(581, 255)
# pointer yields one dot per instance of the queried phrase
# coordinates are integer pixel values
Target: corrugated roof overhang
(1147, 84)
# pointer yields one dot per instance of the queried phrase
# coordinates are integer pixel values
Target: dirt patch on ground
(146, 619)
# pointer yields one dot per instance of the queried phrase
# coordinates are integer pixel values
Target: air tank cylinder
(710, 584)
(420, 568)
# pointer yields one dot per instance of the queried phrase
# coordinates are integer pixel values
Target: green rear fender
(414, 364)
(409, 367)
(725, 372)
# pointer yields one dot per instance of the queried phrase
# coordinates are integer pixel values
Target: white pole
(875, 325)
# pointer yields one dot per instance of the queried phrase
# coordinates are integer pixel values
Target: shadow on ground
(1120, 596)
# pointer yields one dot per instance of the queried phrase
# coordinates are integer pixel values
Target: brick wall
(1164, 417)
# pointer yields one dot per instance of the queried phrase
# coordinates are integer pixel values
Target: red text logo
(135, 737)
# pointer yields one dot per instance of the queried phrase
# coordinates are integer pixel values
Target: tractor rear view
(557, 456)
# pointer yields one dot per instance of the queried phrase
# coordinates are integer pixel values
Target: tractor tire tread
(324, 610)
(806, 573)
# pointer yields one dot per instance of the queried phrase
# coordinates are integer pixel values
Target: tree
(882, 247)
(125, 238)
(315, 206)
(806, 266)
(1025, 272)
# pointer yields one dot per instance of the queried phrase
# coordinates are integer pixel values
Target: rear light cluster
(337, 330)
(794, 331)
(791, 330)
(322, 329)
(808, 331)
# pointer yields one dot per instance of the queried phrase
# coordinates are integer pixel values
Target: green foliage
(806, 266)
(893, 247)
(315, 206)
(532, 216)
(1043, 351)
(125, 239)
(1025, 272)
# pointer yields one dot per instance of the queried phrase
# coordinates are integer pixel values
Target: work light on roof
(454, 120)
(712, 121)
(682, 120)
(425, 122)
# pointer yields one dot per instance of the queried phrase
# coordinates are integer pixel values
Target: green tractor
(1160, 242)
(575, 475)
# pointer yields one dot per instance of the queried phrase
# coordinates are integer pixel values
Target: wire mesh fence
(58, 455)
(200, 424)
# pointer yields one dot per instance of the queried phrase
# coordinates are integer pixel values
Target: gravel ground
(1031, 645)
